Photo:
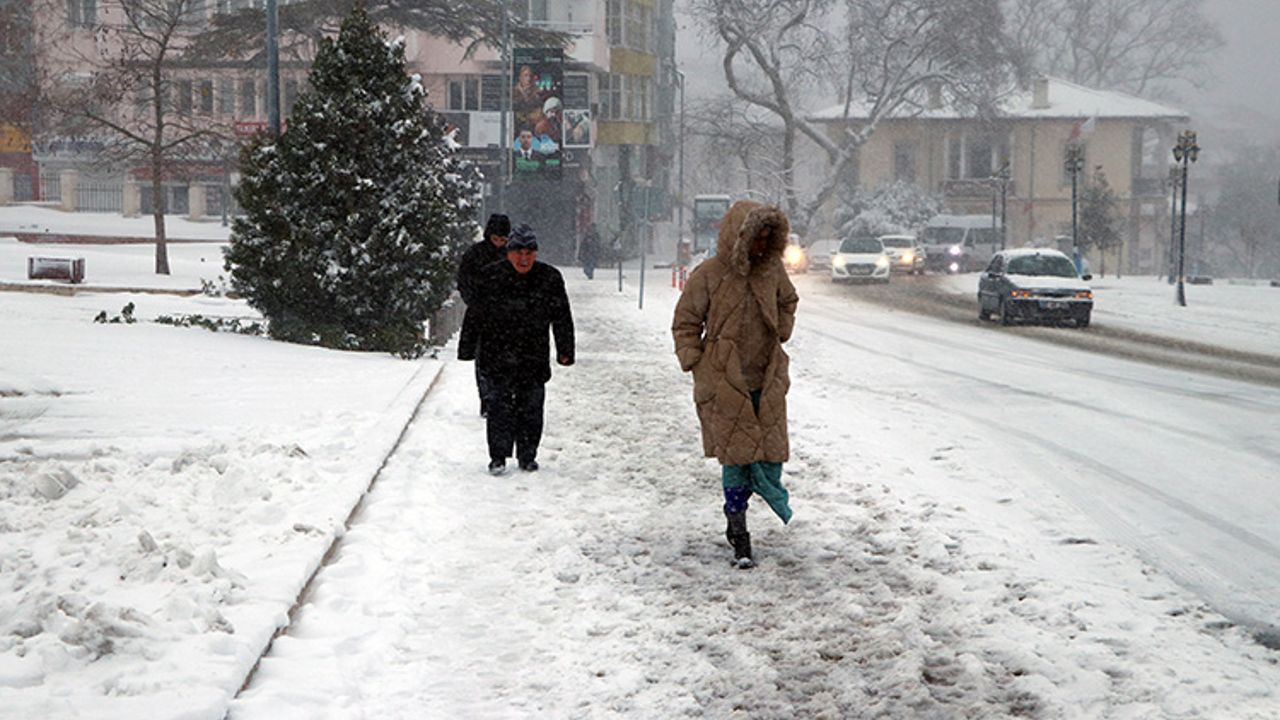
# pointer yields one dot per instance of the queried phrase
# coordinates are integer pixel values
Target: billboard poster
(577, 111)
(537, 108)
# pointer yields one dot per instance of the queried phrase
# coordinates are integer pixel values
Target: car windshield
(944, 235)
(1052, 265)
(861, 245)
(894, 242)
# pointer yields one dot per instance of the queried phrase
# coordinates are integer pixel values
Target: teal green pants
(761, 478)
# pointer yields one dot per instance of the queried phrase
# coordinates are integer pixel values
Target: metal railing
(99, 197)
(50, 188)
(24, 188)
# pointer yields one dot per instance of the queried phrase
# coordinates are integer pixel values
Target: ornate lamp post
(1185, 152)
(1074, 163)
(1001, 180)
(1173, 182)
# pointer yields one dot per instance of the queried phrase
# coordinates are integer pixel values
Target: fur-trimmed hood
(745, 221)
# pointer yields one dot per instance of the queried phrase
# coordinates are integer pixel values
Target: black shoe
(740, 539)
(497, 467)
(529, 465)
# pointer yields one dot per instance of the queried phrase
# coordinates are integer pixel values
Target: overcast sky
(1248, 68)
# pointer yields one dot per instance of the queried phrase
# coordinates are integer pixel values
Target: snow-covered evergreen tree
(901, 207)
(1099, 220)
(357, 215)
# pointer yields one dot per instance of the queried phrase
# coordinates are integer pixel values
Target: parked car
(905, 253)
(860, 258)
(794, 257)
(820, 253)
(1034, 284)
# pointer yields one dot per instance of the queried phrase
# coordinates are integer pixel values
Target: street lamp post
(1173, 221)
(273, 69)
(1074, 163)
(1185, 152)
(504, 133)
(680, 185)
(1001, 182)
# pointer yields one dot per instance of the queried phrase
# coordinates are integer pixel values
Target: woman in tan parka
(736, 311)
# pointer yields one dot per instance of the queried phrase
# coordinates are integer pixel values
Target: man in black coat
(520, 300)
(479, 256)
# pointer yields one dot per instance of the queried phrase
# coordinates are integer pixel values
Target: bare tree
(1246, 222)
(879, 56)
(1139, 46)
(128, 92)
(732, 147)
(17, 72)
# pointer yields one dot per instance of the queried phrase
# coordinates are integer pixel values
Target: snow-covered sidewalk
(600, 585)
(164, 494)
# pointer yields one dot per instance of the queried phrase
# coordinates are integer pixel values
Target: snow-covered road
(986, 526)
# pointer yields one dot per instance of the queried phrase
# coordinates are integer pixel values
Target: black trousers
(515, 419)
(483, 386)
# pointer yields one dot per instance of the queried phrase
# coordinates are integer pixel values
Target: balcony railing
(575, 27)
(973, 188)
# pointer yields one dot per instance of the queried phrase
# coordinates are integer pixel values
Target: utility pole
(273, 69)
(680, 190)
(1185, 152)
(1074, 164)
(504, 131)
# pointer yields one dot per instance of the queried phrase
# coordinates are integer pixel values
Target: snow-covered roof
(1066, 100)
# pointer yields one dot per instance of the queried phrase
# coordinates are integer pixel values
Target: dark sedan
(1033, 284)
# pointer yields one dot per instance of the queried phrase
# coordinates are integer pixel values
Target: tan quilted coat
(710, 343)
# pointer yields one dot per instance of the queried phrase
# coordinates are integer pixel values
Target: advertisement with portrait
(577, 111)
(537, 108)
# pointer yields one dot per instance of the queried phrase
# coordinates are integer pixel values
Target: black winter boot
(740, 539)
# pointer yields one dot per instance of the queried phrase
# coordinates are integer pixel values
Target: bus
(708, 211)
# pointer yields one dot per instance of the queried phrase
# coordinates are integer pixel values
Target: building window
(611, 94)
(290, 96)
(248, 99)
(183, 89)
(904, 162)
(82, 13)
(464, 93)
(204, 97)
(630, 96)
(613, 21)
(639, 18)
(226, 96)
(538, 10)
(195, 13)
(979, 158)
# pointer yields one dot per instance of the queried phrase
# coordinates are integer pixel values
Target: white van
(960, 243)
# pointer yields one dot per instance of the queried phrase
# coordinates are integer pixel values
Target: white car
(860, 258)
(905, 253)
(821, 252)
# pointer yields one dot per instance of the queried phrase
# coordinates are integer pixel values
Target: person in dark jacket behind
(520, 300)
(479, 256)
(589, 251)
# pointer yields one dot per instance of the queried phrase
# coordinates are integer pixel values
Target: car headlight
(838, 261)
(1020, 293)
(793, 255)
(954, 250)
(882, 261)
(908, 256)
(1084, 295)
